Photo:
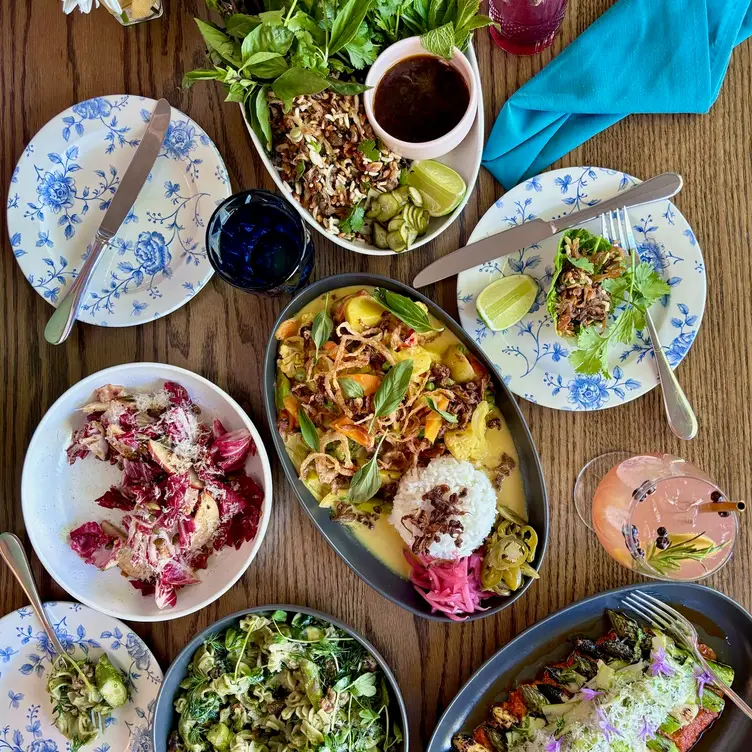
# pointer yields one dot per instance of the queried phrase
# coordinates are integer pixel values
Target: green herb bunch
(302, 47)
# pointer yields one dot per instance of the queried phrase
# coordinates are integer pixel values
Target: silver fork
(683, 632)
(681, 418)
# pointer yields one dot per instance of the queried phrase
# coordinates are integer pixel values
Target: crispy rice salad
(184, 492)
(326, 151)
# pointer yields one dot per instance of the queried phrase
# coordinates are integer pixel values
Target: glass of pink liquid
(653, 513)
(526, 26)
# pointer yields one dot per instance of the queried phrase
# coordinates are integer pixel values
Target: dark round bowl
(165, 717)
(354, 554)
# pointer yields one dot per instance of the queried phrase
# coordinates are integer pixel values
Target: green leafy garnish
(448, 417)
(322, 326)
(631, 293)
(365, 484)
(392, 390)
(405, 310)
(353, 222)
(446, 25)
(670, 559)
(351, 388)
(368, 148)
(308, 430)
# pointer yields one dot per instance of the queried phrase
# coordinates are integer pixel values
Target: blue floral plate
(27, 723)
(65, 181)
(532, 359)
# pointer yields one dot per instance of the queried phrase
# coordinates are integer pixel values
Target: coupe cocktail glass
(653, 513)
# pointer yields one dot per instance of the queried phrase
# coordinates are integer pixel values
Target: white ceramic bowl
(465, 159)
(57, 497)
(428, 149)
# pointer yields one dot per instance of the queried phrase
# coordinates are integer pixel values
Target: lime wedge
(504, 302)
(440, 186)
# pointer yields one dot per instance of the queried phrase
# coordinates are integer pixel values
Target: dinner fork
(681, 418)
(683, 632)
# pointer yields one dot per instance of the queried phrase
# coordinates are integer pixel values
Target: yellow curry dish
(392, 424)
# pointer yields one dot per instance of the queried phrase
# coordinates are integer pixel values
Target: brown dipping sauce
(420, 98)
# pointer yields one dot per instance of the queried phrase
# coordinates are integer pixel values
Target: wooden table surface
(50, 61)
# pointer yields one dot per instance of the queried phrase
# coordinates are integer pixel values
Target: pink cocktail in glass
(526, 26)
(654, 513)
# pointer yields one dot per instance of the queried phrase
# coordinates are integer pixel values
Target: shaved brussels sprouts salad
(284, 681)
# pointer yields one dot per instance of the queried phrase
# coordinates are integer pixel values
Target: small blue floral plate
(64, 182)
(532, 359)
(26, 719)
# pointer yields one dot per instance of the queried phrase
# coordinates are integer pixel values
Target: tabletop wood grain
(50, 61)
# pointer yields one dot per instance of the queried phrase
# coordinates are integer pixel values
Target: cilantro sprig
(637, 289)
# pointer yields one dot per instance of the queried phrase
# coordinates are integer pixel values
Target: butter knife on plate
(61, 322)
(521, 236)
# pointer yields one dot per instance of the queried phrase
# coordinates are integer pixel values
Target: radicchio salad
(184, 492)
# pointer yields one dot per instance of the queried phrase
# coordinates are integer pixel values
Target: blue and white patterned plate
(530, 356)
(26, 720)
(65, 181)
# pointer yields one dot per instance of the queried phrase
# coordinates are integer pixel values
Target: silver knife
(61, 322)
(495, 246)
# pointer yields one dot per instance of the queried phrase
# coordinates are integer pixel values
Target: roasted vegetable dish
(385, 414)
(83, 696)
(280, 682)
(631, 690)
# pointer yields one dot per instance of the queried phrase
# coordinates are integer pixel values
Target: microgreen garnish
(308, 430)
(392, 390)
(365, 484)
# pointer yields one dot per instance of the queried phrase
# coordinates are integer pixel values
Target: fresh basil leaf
(369, 149)
(273, 17)
(346, 23)
(405, 310)
(216, 40)
(209, 74)
(267, 38)
(346, 88)
(308, 430)
(365, 484)
(237, 92)
(322, 326)
(440, 41)
(353, 222)
(296, 82)
(392, 389)
(351, 389)
(261, 109)
(448, 417)
(239, 25)
(265, 65)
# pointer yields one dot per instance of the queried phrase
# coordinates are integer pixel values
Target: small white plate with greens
(280, 66)
(27, 665)
(533, 360)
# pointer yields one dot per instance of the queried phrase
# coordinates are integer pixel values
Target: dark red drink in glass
(526, 26)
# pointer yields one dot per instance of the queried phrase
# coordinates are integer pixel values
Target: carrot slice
(357, 433)
(292, 406)
(370, 382)
(288, 328)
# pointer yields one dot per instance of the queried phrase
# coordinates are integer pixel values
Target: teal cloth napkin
(648, 56)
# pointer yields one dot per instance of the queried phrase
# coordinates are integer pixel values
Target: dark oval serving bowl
(355, 555)
(721, 623)
(165, 717)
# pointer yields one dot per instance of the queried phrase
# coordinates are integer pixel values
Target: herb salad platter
(286, 63)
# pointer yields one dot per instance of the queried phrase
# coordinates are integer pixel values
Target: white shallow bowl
(57, 497)
(464, 158)
(392, 55)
